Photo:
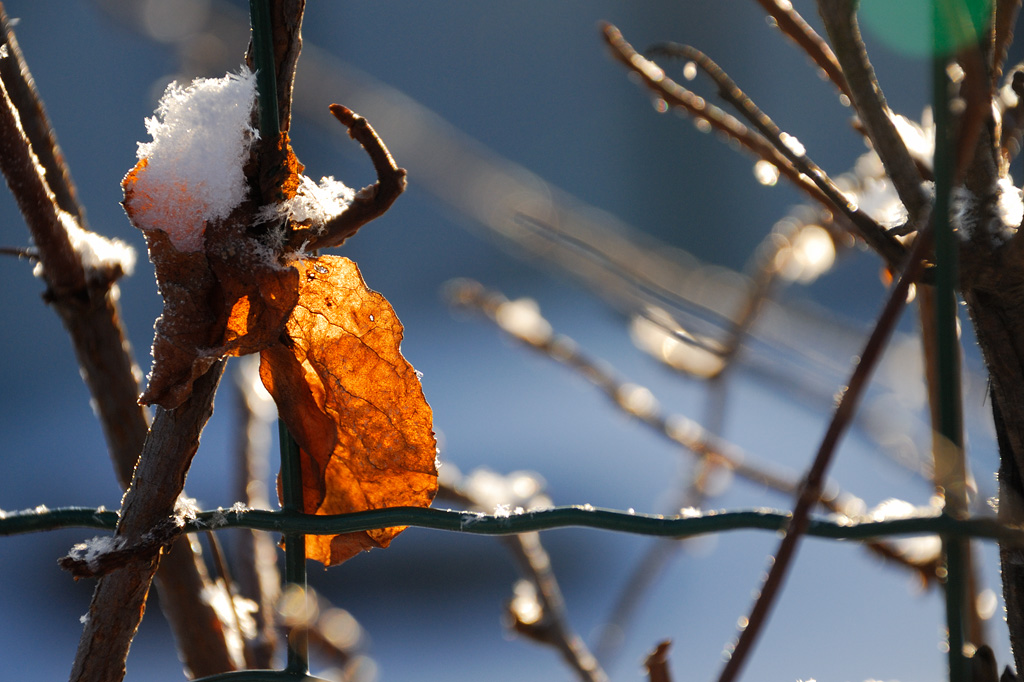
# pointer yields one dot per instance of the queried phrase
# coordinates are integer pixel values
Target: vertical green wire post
(294, 543)
(945, 30)
(291, 472)
(266, 74)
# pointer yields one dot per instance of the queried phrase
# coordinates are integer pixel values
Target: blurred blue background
(532, 82)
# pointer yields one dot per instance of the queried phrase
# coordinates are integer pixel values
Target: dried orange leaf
(227, 297)
(353, 403)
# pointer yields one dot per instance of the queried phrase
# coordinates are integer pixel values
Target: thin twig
(370, 202)
(654, 78)
(28, 253)
(867, 229)
(866, 95)
(800, 32)
(255, 553)
(676, 428)
(553, 628)
(810, 489)
(1005, 19)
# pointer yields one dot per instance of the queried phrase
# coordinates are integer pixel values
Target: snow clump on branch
(192, 171)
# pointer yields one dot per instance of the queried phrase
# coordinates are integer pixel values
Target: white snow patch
(97, 253)
(491, 490)
(193, 174)
(919, 137)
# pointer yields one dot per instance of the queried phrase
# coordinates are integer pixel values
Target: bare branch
(866, 94)
(811, 487)
(657, 663)
(87, 305)
(800, 32)
(636, 402)
(61, 265)
(21, 88)
(654, 78)
(866, 228)
(370, 202)
(765, 143)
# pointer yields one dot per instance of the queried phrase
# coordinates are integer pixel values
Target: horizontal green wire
(35, 520)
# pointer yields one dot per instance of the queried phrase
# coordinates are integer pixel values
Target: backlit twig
(841, 25)
(786, 145)
(800, 32)
(708, 115)
(810, 489)
(638, 403)
(552, 626)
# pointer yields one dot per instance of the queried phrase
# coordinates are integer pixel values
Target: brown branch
(62, 267)
(794, 27)
(87, 305)
(866, 228)
(21, 88)
(370, 202)
(866, 95)
(676, 428)
(657, 663)
(811, 488)
(654, 78)
(120, 598)
(286, 17)
(1005, 19)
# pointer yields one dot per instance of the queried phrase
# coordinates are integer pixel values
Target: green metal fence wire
(689, 525)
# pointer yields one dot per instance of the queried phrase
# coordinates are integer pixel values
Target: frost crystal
(185, 509)
(313, 204)
(191, 172)
(91, 551)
